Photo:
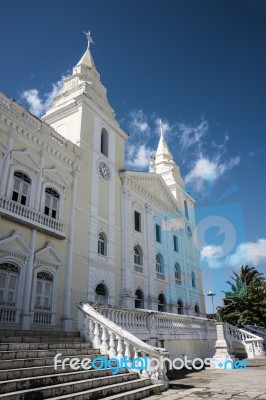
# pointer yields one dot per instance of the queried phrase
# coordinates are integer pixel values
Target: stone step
(43, 333)
(30, 372)
(96, 388)
(19, 354)
(22, 346)
(38, 362)
(56, 378)
(138, 393)
(138, 389)
(40, 339)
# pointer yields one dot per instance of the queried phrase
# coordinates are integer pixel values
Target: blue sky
(199, 66)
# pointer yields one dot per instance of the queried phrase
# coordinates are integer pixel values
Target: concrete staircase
(27, 370)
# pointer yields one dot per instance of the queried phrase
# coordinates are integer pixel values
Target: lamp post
(211, 294)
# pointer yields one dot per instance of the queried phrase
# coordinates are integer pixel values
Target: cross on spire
(161, 127)
(89, 38)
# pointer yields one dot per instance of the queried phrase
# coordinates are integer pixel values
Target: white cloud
(192, 135)
(249, 253)
(138, 122)
(208, 170)
(38, 104)
(138, 156)
(212, 251)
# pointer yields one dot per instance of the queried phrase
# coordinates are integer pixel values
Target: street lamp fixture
(211, 294)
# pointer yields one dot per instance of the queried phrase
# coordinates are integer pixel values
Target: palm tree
(245, 302)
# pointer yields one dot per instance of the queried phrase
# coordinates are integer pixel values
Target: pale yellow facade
(68, 214)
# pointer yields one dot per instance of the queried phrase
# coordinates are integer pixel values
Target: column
(26, 316)
(39, 184)
(127, 294)
(5, 168)
(150, 249)
(67, 320)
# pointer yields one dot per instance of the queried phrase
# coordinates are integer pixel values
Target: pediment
(152, 186)
(23, 157)
(14, 245)
(47, 256)
(53, 175)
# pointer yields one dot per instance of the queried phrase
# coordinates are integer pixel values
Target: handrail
(253, 343)
(101, 333)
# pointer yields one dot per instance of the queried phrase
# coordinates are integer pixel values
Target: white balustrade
(114, 341)
(257, 330)
(7, 315)
(139, 321)
(42, 318)
(36, 218)
(252, 343)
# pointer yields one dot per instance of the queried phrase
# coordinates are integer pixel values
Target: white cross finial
(89, 38)
(161, 126)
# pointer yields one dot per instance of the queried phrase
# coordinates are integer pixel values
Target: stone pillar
(26, 316)
(39, 185)
(5, 167)
(67, 320)
(128, 297)
(150, 251)
(223, 352)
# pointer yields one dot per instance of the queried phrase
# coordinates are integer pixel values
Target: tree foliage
(245, 302)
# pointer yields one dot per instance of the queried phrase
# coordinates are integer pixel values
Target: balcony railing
(14, 210)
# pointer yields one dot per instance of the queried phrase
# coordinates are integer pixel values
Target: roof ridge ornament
(89, 38)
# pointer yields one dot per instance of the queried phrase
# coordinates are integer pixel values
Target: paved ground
(218, 385)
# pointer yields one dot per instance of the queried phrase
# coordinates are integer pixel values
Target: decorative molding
(14, 245)
(53, 175)
(47, 256)
(24, 157)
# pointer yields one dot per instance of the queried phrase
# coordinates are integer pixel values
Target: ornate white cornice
(17, 120)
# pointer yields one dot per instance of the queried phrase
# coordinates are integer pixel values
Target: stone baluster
(112, 352)
(119, 347)
(127, 350)
(96, 338)
(104, 346)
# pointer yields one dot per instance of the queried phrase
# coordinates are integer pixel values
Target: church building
(76, 225)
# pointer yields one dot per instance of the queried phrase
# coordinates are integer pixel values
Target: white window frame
(21, 281)
(60, 191)
(105, 244)
(45, 268)
(32, 187)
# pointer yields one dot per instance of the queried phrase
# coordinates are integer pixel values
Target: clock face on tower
(104, 171)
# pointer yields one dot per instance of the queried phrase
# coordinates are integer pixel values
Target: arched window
(138, 256)
(186, 209)
(51, 205)
(180, 307)
(159, 264)
(101, 295)
(9, 278)
(161, 302)
(21, 189)
(102, 244)
(197, 310)
(44, 291)
(139, 299)
(193, 279)
(104, 142)
(177, 273)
